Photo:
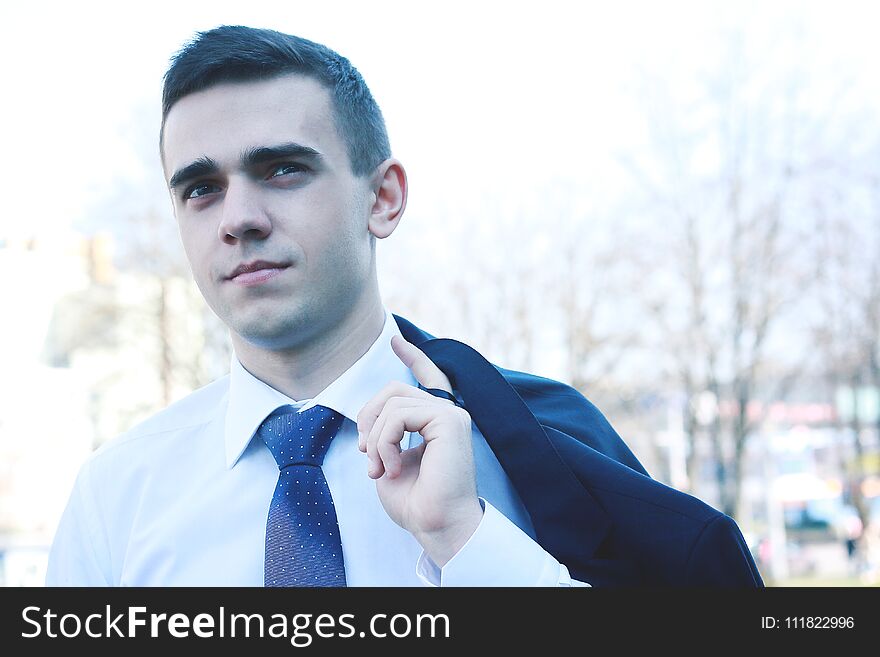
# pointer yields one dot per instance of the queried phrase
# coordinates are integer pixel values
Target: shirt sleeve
(498, 553)
(79, 555)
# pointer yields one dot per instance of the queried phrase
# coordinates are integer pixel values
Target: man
(347, 446)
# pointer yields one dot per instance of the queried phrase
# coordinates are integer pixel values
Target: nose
(243, 215)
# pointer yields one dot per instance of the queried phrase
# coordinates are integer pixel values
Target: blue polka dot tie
(303, 547)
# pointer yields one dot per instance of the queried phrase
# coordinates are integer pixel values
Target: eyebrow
(263, 154)
(206, 166)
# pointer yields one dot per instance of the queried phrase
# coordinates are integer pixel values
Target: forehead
(226, 119)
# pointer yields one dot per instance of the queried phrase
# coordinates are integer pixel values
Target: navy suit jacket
(592, 504)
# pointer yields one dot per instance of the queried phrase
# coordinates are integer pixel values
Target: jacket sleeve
(721, 559)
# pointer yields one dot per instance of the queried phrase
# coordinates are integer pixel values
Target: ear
(389, 198)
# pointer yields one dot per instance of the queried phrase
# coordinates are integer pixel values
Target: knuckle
(400, 401)
(463, 415)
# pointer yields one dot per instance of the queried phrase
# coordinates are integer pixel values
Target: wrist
(443, 543)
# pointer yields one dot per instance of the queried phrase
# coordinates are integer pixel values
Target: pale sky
(482, 99)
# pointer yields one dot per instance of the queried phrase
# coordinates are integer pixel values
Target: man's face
(273, 221)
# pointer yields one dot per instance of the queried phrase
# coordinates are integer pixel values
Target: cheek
(196, 247)
(337, 265)
(339, 234)
(351, 242)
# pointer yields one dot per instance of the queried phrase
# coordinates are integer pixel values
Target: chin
(275, 333)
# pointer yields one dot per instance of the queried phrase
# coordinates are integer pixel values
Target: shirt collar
(251, 400)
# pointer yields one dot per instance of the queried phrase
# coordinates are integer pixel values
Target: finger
(402, 416)
(382, 446)
(375, 469)
(422, 367)
(409, 457)
(370, 411)
(388, 443)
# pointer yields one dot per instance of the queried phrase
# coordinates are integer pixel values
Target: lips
(252, 273)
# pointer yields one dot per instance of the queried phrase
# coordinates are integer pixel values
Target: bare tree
(721, 180)
(846, 328)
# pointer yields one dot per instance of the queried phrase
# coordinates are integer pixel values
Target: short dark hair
(235, 53)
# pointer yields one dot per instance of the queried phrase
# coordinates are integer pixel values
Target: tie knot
(300, 438)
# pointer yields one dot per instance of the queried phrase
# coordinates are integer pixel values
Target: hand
(429, 490)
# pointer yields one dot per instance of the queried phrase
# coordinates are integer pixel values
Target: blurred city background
(673, 207)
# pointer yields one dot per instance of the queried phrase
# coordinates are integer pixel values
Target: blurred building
(803, 461)
(90, 350)
(45, 431)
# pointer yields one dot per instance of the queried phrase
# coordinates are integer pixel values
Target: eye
(199, 190)
(286, 169)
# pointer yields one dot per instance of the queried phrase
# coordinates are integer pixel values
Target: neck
(303, 371)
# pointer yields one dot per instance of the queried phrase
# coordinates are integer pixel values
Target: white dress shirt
(182, 499)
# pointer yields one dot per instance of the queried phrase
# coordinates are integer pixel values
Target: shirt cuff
(498, 553)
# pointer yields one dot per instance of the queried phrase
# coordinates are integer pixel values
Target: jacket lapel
(568, 521)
